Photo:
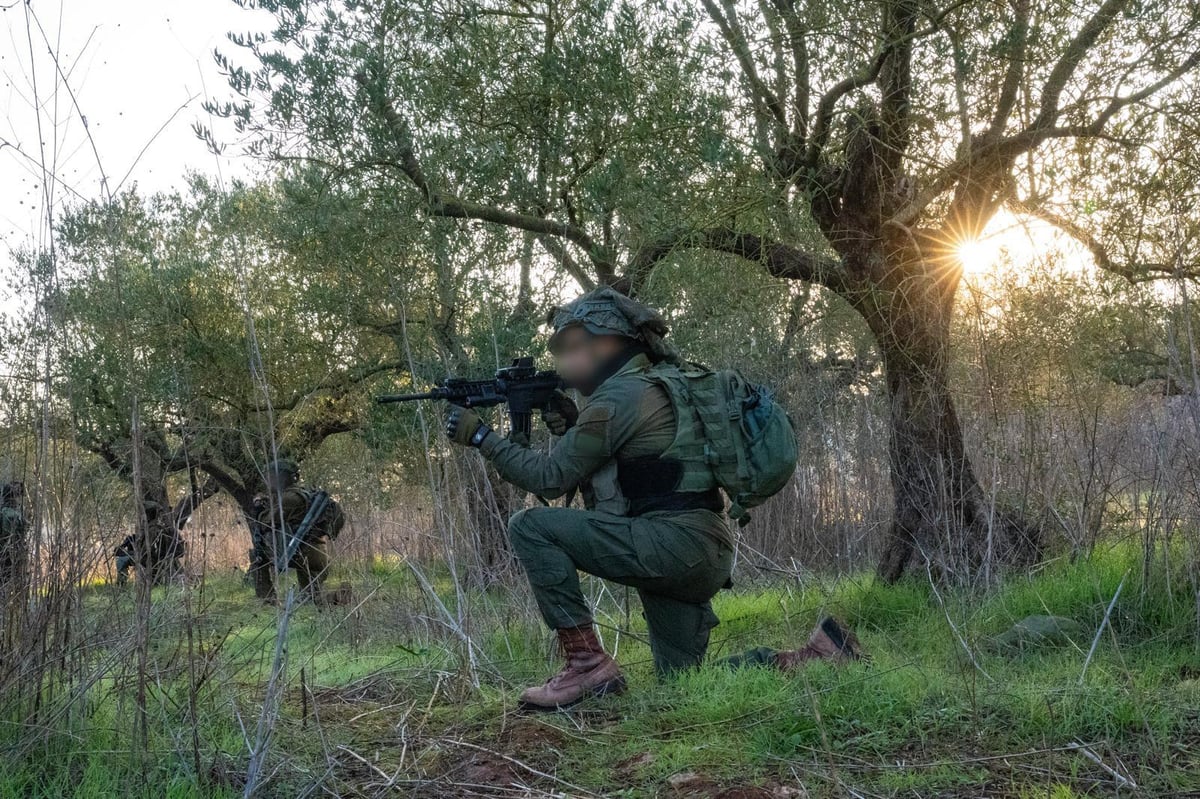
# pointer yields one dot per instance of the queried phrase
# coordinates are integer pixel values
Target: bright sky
(138, 70)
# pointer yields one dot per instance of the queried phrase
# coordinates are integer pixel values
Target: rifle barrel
(386, 398)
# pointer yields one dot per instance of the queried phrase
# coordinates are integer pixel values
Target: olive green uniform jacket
(675, 549)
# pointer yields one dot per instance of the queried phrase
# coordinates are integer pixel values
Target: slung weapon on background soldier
(520, 386)
(320, 501)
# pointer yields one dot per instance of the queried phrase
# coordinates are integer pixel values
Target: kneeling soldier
(155, 550)
(653, 522)
(12, 535)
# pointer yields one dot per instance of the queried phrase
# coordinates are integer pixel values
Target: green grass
(390, 694)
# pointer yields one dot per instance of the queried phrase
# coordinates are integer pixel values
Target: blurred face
(278, 480)
(579, 355)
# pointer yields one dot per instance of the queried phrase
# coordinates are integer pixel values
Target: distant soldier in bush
(157, 551)
(12, 534)
(655, 519)
(293, 527)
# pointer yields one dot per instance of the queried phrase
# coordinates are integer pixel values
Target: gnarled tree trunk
(942, 515)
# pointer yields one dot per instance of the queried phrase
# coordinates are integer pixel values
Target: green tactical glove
(464, 426)
(561, 414)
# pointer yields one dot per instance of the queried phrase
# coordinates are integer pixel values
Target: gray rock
(1036, 632)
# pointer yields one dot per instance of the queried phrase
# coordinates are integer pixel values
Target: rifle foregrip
(384, 399)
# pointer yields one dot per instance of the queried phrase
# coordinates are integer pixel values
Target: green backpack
(744, 437)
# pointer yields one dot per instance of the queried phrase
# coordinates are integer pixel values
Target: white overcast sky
(133, 66)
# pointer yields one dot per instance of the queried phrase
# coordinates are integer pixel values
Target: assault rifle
(520, 386)
(320, 502)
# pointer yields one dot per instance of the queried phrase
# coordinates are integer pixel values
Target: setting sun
(1011, 243)
(979, 255)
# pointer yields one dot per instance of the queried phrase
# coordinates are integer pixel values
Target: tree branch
(895, 81)
(1068, 62)
(1010, 88)
(447, 205)
(798, 42)
(189, 502)
(1134, 273)
(780, 260)
(987, 156)
(829, 101)
(863, 78)
(559, 253)
(731, 31)
(340, 381)
(231, 485)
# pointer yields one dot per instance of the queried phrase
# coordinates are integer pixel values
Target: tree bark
(942, 515)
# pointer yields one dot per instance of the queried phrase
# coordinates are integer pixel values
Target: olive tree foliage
(847, 145)
(200, 333)
(565, 122)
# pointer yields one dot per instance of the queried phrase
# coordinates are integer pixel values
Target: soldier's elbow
(551, 492)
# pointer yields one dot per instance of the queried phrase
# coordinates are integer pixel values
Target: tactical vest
(330, 522)
(690, 445)
(677, 479)
(739, 438)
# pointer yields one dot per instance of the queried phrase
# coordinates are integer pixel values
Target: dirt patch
(689, 785)
(482, 768)
(528, 735)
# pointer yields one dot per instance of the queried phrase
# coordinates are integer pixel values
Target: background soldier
(158, 550)
(655, 516)
(12, 534)
(126, 557)
(288, 522)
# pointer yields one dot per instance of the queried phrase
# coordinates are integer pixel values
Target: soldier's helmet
(12, 493)
(607, 312)
(284, 470)
(599, 312)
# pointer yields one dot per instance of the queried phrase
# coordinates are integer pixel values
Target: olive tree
(199, 338)
(852, 145)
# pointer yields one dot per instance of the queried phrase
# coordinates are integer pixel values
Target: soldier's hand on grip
(561, 414)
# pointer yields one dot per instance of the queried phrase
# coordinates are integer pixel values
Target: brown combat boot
(589, 671)
(830, 640)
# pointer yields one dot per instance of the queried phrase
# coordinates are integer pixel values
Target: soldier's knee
(520, 524)
(679, 633)
(318, 564)
(526, 527)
